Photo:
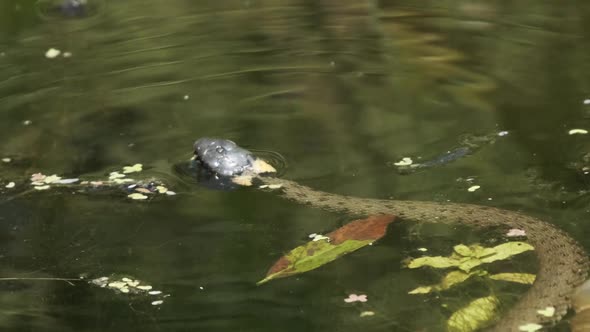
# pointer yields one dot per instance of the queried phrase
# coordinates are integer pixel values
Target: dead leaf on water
(344, 240)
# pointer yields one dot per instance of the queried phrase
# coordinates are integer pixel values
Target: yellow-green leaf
(344, 240)
(522, 278)
(438, 262)
(463, 250)
(451, 279)
(474, 316)
(132, 169)
(469, 264)
(137, 196)
(311, 256)
(468, 257)
(421, 290)
(506, 250)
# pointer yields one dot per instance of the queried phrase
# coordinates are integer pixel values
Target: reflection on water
(342, 89)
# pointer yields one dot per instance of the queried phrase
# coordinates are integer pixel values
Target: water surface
(341, 89)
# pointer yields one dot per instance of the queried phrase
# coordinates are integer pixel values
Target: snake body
(563, 263)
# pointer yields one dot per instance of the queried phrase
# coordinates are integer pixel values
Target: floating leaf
(437, 262)
(473, 188)
(468, 257)
(463, 250)
(530, 327)
(356, 298)
(115, 175)
(38, 177)
(473, 316)
(367, 313)
(143, 190)
(137, 196)
(522, 278)
(41, 187)
(506, 250)
(314, 254)
(406, 161)
(132, 169)
(67, 181)
(51, 179)
(578, 131)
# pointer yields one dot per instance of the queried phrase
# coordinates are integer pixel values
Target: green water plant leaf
(451, 279)
(521, 278)
(473, 316)
(342, 241)
(468, 257)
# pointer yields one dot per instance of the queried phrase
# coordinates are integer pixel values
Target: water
(342, 90)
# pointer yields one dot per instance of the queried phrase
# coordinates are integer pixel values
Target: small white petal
(473, 188)
(578, 131)
(41, 187)
(67, 181)
(52, 53)
(158, 302)
(404, 162)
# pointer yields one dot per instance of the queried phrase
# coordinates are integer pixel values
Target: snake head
(223, 156)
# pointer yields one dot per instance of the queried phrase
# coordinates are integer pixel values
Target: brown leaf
(344, 240)
(371, 228)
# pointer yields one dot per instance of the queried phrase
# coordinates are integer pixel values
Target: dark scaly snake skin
(563, 264)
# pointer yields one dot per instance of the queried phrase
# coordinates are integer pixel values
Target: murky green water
(342, 89)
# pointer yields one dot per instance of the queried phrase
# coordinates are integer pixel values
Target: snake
(563, 264)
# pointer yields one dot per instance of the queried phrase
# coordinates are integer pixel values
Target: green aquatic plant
(467, 259)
